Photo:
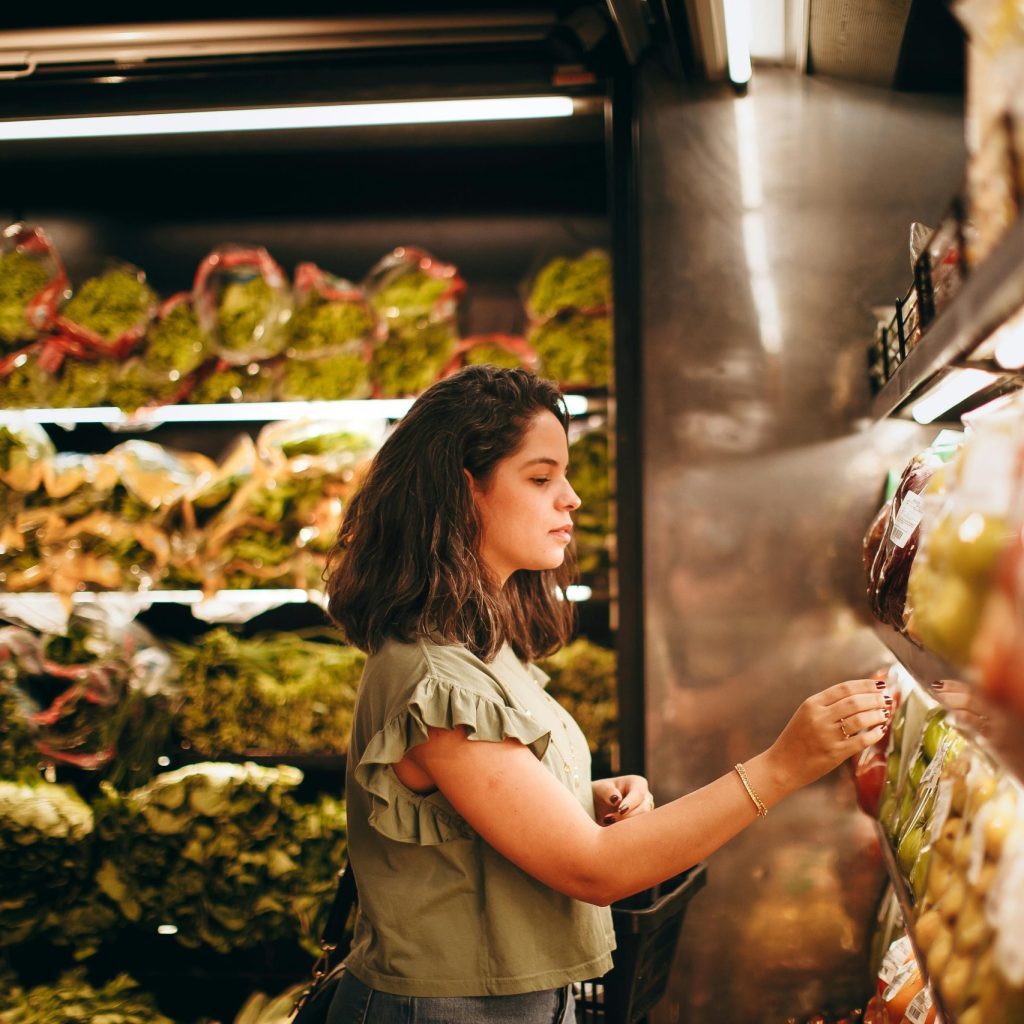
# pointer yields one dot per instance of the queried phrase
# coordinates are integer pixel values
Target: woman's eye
(540, 479)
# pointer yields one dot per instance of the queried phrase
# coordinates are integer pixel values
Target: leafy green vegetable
(22, 277)
(583, 681)
(243, 311)
(324, 379)
(135, 385)
(275, 693)
(410, 360)
(46, 835)
(26, 386)
(19, 760)
(493, 355)
(588, 457)
(234, 384)
(224, 852)
(72, 1000)
(575, 349)
(319, 324)
(410, 299)
(81, 384)
(579, 284)
(175, 344)
(111, 304)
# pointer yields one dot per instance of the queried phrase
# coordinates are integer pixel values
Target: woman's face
(524, 506)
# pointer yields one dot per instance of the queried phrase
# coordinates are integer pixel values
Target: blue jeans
(354, 1003)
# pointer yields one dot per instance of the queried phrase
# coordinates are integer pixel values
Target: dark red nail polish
(608, 819)
(938, 684)
(880, 684)
(615, 798)
(888, 700)
(886, 712)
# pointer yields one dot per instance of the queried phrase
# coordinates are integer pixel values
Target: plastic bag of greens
(135, 386)
(574, 349)
(333, 447)
(222, 382)
(505, 350)
(23, 383)
(33, 283)
(582, 285)
(243, 302)
(331, 314)
(109, 312)
(24, 452)
(415, 298)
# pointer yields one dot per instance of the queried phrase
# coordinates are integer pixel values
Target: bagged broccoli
(325, 378)
(32, 284)
(415, 298)
(583, 681)
(330, 313)
(24, 452)
(175, 344)
(109, 313)
(574, 349)
(243, 303)
(23, 383)
(223, 382)
(503, 350)
(580, 285)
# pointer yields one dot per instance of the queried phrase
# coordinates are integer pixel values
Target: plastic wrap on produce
(175, 344)
(33, 283)
(25, 450)
(158, 476)
(505, 350)
(108, 313)
(332, 447)
(958, 553)
(415, 298)
(564, 284)
(243, 301)
(894, 555)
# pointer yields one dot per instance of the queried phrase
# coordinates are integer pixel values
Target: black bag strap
(345, 898)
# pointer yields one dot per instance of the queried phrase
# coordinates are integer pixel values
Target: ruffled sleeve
(407, 817)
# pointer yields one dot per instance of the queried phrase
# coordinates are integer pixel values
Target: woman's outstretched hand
(828, 728)
(624, 797)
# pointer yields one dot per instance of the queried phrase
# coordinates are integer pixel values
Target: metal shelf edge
(993, 291)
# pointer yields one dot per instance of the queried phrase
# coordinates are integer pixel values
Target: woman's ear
(471, 480)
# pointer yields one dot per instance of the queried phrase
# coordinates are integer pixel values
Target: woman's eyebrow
(543, 461)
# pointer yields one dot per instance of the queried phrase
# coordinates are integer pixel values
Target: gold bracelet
(758, 803)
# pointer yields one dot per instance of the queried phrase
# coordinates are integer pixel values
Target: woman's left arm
(625, 796)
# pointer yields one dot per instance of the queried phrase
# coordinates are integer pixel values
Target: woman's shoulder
(424, 659)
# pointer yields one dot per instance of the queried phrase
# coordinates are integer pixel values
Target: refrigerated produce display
(942, 562)
(175, 707)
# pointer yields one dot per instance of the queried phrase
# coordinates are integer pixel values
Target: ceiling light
(738, 30)
(331, 115)
(957, 387)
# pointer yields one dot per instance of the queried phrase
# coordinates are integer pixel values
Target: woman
(485, 856)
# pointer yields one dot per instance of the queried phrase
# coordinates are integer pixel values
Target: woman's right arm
(516, 805)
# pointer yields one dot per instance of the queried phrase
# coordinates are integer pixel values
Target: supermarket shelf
(235, 412)
(906, 903)
(992, 292)
(988, 725)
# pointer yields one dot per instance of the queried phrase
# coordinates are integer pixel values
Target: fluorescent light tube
(330, 115)
(949, 393)
(738, 30)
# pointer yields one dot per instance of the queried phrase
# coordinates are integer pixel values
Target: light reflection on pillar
(755, 238)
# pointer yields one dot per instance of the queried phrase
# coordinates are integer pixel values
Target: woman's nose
(572, 499)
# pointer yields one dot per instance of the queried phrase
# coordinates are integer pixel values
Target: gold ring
(842, 728)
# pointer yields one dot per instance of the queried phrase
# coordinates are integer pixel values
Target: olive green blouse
(441, 913)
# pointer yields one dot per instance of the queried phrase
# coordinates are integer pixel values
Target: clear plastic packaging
(33, 283)
(243, 302)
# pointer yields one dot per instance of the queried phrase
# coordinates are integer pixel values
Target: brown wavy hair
(407, 563)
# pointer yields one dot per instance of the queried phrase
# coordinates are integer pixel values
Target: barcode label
(920, 1005)
(908, 519)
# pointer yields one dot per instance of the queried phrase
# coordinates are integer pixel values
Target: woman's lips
(563, 533)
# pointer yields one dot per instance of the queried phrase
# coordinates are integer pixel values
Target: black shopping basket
(647, 928)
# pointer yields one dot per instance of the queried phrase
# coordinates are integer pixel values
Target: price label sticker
(908, 519)
(898, 962)
(920, 1006)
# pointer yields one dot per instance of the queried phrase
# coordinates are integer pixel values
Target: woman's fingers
(860, 711)
(851, 688)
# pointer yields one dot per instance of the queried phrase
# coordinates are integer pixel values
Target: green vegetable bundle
(320, 325)
(492, 355)
(277, 693)
(583, 681)
(136, 385)
(19, 759)
(325, 378)
(25, 385)
(224, 852)
(46, 834)
(22, 277)
(588, 457)
(575, 349)
(72, 1000)
(24, 450)
(243, 308)
(111, 304)
(175, 344)
(410, 360)
(566, 284)
(235, 384)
